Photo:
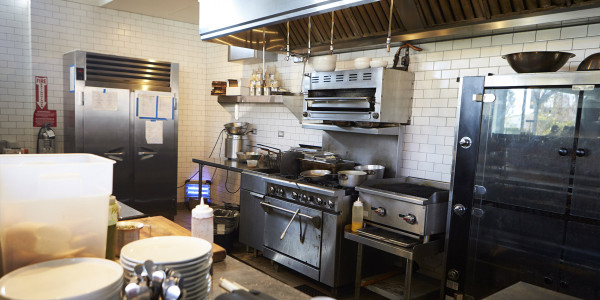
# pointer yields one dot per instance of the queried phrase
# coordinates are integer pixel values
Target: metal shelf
(379, 131)
(393, 287)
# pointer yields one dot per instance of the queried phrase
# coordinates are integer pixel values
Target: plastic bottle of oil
(357, 215)
(111, 236)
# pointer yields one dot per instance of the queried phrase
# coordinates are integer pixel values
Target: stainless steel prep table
(410, 254)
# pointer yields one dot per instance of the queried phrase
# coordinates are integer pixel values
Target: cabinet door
(155, 153)
(106, 132)
(586, 182)
(252, 219)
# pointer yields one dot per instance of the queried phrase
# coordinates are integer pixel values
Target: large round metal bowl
(590, 63)
(535, 62)
(236, 127)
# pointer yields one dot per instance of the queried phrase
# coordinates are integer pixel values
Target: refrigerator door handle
(114, 155)
(146, 154)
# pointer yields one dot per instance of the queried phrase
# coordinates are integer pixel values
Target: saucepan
(373, 171)
(351, 178)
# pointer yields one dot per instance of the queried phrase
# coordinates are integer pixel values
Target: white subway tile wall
(59, 26)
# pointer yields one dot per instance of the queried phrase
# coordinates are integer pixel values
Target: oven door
(302, 239)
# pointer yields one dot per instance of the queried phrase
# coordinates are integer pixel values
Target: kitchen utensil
(127, 232)
(236, 127)
(590, 63)
(287, 44)
(362, 62)
(252, 163)
(388, 41)
(315, 175)
(325, 63)
(331, 42)
(351, 178)
(173, 293)
(539, 61)
(244, 156)
(373, 171)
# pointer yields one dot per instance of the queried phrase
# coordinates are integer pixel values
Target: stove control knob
(331, 203)
(311, 199)
(281, 192)
(295, 195)
(320, 201)
(272, 190)
(410, 219)
(304, 198)
(379, 210)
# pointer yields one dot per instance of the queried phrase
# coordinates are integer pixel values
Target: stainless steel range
(304, 226)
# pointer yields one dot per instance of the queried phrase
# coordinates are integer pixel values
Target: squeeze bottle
(357, 215)
(202, 221)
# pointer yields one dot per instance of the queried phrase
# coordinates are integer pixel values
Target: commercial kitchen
(352, 149)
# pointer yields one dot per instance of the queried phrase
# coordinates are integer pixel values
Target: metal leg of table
(200, 166)
(408, 278)
(357, 279)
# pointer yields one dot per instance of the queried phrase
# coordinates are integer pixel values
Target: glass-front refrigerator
(525, 191)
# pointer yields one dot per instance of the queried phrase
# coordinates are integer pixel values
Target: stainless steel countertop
(232, 165)
(252, 279)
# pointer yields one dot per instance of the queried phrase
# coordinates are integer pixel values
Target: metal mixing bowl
(540, 61)
(244, 156)
(590, 63)
(236, 127)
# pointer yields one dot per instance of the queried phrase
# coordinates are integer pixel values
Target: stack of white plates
(69, 279)
(191, 257)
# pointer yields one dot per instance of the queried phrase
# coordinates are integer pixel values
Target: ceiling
(178, 10)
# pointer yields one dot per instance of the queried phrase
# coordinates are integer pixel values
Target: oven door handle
(315, 220)
(289, 223)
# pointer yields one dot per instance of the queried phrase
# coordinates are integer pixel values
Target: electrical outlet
(254, 131)
(280, 133)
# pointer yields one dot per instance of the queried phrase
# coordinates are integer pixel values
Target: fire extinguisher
(46, 141)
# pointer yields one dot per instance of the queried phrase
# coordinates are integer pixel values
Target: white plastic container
(53, 206)
(202, 222)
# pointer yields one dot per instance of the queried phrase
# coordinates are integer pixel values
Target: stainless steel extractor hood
(364, 24)
(224, 17)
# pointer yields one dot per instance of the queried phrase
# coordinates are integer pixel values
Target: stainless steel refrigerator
(125, 109)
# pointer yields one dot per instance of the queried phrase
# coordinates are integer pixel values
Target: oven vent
(352, 77)
(314, 79)
(135, 71)
(367, 76)
(326, 78)
(339, 77)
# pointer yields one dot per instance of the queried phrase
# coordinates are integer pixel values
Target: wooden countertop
(227, 267)
(161, 226)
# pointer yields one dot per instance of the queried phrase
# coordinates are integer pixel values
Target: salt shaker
(202, 221)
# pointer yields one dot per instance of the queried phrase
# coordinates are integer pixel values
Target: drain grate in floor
(309, 290)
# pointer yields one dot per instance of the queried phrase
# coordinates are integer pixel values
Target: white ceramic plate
(69, 278)
(166, 249)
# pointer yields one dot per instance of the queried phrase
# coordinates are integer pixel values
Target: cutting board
(161, 226)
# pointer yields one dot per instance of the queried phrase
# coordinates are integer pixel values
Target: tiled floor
(288, 276)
